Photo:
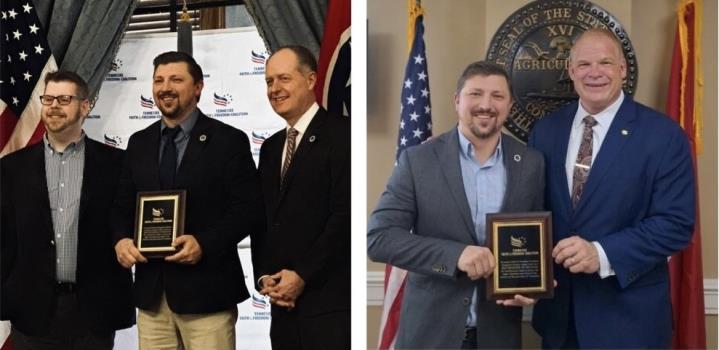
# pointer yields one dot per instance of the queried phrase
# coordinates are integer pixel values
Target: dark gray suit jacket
(422, 223)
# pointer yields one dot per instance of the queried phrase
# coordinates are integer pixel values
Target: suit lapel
(199, 137)
(307, 143)
(512, 159)
(40, 179)
(610, 149)
(558, 168)
(87, 188)
(447, 152)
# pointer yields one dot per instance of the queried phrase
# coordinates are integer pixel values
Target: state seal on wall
(533, 46)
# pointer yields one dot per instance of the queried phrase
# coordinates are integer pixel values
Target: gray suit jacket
(422, 223)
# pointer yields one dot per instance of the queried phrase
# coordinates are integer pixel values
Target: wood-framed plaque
(522, 247)
(159, 219)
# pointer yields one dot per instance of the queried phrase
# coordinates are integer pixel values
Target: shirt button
(58, 260)
(62, 185)
(63, 162)
(58, 236)
(60, 210)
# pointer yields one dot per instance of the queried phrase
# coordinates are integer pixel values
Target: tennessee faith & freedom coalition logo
(115, 75)
(224, 110)
(114, 141)
(147, 103)
(258, 58)
(257, 138)
(222, 100)
(258, 302)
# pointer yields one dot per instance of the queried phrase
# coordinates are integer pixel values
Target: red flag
(333, 68)
(684, 106)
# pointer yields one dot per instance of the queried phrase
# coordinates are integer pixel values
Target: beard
(59, 125)
(492, 127)
(484, 134)
(175, 108)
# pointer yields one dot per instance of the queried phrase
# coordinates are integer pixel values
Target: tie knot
(292, 133)
(590, 121)
(171, 133)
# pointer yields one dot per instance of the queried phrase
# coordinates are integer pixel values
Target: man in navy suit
(303, 260)
(189, 298)
(620, 184)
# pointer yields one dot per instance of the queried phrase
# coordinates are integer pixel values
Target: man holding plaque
(61, 285)
(305, 171)
(621, 189)
(431, 220)
(188, 297)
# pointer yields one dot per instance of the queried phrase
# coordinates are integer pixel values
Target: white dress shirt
(599, 132)
(301, 127)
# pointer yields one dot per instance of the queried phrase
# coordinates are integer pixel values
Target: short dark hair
(483, 68)
(83, 92)
(176, 56)
(304, 56)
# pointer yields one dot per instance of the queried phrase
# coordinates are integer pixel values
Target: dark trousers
(68, 331)
(327, 331)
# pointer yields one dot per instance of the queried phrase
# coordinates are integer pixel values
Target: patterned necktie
(584, 160)
(168, 162)
(291, 136)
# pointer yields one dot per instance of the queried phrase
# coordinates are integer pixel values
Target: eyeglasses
(62, 100)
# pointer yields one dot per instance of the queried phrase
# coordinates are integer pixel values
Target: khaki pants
(164, 329)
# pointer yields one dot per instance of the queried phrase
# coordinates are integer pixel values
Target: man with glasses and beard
(61, 285)
(189, 297)
(431, 220)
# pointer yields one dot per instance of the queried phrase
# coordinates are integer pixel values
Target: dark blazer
(422, 224)
(308, 218)
(28, 247)
(638, 203)
(224, 205)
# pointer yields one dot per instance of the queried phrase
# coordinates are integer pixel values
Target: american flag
(415, 126)
(25, 58)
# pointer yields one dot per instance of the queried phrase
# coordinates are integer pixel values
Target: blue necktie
(168, 162)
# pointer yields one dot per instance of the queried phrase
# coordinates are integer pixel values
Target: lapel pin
(625, 132)
(203, 138)
(312, 138)
(517, 157)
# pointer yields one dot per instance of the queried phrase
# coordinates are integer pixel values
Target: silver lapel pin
(517, 157)
(312, 138)
(625, 132)
(203, 137)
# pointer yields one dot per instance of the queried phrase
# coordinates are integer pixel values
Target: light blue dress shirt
(484, 185)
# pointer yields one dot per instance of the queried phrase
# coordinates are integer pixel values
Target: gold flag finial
(185, 16)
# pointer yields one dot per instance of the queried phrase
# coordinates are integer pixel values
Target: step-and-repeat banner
(233, 63)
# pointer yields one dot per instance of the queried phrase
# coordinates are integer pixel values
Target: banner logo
(533, 46)
(258, 137)
(114, 141)
(222, 100)
(146, 102)
(258, 58)
(259, 302)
